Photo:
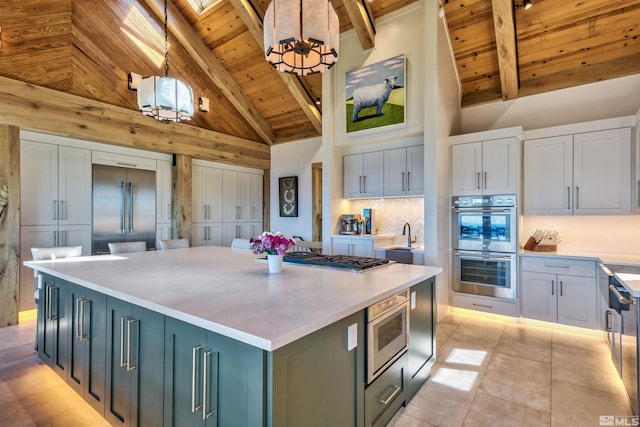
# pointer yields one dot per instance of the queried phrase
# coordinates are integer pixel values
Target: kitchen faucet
(404, 231)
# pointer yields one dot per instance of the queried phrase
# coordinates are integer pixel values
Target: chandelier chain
(166, 42)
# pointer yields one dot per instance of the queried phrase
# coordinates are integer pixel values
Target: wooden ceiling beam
(253, 22)
(213, 68)
(362, 21)
(503, 20)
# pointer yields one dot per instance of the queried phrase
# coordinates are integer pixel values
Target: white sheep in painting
(370, 96)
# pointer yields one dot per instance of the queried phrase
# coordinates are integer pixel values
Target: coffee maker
(350, 224)
(367, 221)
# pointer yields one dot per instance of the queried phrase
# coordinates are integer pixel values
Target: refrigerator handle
(122, 203)
(130, 207)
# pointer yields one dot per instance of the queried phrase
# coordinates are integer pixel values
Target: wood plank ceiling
(502, 51)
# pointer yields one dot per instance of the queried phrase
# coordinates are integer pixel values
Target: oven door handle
(482, 256)
(468, 210)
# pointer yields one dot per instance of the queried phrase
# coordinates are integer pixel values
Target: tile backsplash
(391, 214)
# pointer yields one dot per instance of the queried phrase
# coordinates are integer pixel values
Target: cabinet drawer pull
(408, 181)
(560, 287)
(482, 305)
(557, 266)
(194, 407)
(84, 336)
(569, 198)
(396, 389)
(403, 181)
(78, 319)
(477, 180)
(485, 180)
(607, 321)
(54, 210)
(577, 197)
(553, 282)
(122, 320)
(364, 184)
(205, 385)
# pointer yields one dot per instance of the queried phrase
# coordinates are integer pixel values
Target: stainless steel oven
(485, 223)
(387, 333)
(485, 273)
(485, 243)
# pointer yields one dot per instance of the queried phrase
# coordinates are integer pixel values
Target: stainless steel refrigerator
(124, 206)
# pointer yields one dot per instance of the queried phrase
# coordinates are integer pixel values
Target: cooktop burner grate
(335, 261)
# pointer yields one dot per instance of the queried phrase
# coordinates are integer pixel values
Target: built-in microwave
(387, 333)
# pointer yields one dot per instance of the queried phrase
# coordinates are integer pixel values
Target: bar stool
(173, 244)
(127, 247)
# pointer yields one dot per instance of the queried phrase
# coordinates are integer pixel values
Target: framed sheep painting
(375, 94)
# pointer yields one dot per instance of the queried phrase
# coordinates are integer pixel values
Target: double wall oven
(485, 245)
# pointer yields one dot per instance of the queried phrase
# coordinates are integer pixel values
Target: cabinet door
(577, 301)
(395, 172)
(230, 206)
(539, 296)
(87, 364)
(499, 166)
(466, 168)
(57, 325)
(325, 386)
(340, 246)
(352, 176)
(602, 172)
(185, 346)
(135, 362)
(32, 237)
(47, 324)
(163, 232)
(244, 197)
(415, 170)
(214, 195)
(74, 186)
(548, 176)
(164, 180)
(256, 197)
(75, 235)
(362, 247)
(372, 170)
(198, 194)
(421, 331)
(39, 182)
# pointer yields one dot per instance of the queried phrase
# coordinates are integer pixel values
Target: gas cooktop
(347, 262)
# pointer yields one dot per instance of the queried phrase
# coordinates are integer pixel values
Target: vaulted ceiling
(502, 51)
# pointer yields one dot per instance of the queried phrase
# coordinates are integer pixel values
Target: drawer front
(488, 305)
(570, 267)
(385, 395)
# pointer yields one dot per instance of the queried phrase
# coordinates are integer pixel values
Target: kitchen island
(237, 345)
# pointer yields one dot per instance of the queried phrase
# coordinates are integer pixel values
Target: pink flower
(271, 243)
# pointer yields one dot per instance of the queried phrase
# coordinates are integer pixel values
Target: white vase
(275, 263)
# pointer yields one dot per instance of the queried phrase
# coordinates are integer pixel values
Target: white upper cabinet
(206, 194)
(584, 173)
(242, 196)
(404, 171)
(484, 167)
(163, 192)
(363, 175)
(56, 182)
(256, 197)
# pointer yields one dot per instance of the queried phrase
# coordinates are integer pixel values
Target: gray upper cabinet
(362, 175)
(580, 174)
(404, 171)
(484, 167)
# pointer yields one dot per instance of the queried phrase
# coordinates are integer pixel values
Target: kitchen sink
(401, 254)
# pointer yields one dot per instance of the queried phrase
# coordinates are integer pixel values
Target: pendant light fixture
(301, 36)
(165, 98)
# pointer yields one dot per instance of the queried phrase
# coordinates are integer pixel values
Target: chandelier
(301, 36)
(165, 98)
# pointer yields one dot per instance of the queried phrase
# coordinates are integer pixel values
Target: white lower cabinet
(358, 246)
(559, 290)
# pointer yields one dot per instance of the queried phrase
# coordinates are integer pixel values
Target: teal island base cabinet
(140, 363)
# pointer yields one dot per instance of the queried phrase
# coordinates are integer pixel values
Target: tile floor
(494, 373)
(489, 373)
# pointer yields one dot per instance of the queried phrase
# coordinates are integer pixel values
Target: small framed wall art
(288, 187)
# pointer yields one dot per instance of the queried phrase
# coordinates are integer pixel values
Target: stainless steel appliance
(124, 206)
(621, 301)
(350, 224)
(485, 242)
(387, 333)
(368, 224)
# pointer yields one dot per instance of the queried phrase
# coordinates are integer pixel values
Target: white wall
(294, 159)
(595, 101)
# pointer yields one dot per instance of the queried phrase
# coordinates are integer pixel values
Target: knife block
(531, 245)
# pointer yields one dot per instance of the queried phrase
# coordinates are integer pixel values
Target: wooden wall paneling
(45, 110)
(10, 225)
(182, 196)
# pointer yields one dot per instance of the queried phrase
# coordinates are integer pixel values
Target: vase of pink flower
(274, 244)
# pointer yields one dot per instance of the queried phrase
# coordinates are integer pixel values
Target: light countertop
(228, 292)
